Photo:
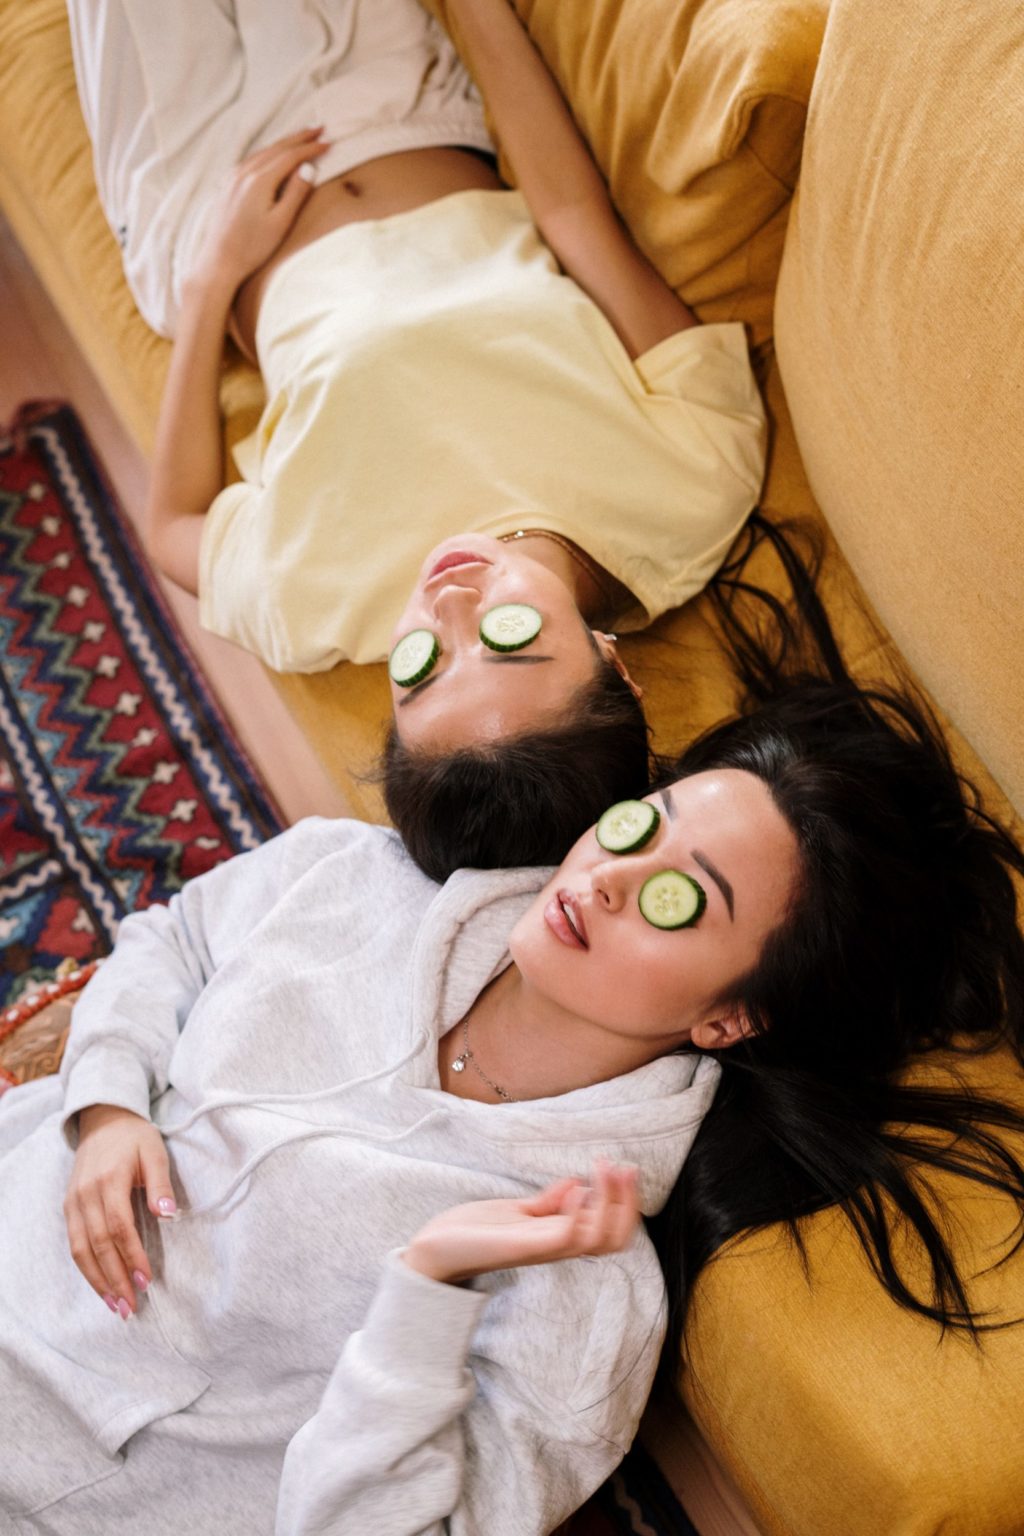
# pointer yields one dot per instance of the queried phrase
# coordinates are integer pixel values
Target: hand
(565, 1221)
(116, 1151)
(259, 207)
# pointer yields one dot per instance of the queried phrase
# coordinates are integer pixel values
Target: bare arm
(188, 465)
(557, 175)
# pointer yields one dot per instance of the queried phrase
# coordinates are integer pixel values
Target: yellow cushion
(899, 338)
(695, 112)
(838, 1412)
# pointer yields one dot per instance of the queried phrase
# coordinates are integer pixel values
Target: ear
(719, 1033)
(609, 651)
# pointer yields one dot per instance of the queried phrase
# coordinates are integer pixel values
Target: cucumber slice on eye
(671, 899)
(510, 626)
(627, 826)
(413, 657)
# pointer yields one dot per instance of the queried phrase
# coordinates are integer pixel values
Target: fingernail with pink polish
(111, 1303)
(123, 1309)
(139, 1280)
(167, 1208)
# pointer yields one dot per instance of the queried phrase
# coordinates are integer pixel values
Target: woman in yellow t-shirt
(499, 378)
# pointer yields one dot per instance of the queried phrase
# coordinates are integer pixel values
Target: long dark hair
(526, 799)
(902, 939)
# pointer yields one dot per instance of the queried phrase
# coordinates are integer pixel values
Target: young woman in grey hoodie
(379, 1278)
(374, 1277)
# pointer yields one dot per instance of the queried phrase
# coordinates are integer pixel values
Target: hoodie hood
(648, 1117)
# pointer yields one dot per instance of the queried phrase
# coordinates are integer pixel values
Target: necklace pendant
(459, 1064)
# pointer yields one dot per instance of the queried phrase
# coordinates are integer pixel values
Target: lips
(453, 558)
(564, 917)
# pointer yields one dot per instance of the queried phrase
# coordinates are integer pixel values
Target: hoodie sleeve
(457, 1413)
(126, 1024)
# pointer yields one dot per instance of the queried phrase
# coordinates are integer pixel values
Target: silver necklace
(459, 1065)
(580, 556)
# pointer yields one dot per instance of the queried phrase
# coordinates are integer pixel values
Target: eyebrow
(668, 803)
(716, 875)
(517, 661)
(513, 660)
(408, 698)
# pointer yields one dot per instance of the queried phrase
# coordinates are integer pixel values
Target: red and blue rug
(119, 776)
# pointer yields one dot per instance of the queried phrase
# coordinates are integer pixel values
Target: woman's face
(474, 693)
(585, 945)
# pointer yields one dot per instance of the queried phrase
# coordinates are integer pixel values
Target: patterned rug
(119, 777)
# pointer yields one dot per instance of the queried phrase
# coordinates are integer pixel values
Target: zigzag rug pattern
(119, 777)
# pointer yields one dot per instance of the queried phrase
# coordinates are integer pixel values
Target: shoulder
(355, 845)
(321, 848)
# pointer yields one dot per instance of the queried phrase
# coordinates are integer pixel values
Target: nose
(458, 606)
(611, 882)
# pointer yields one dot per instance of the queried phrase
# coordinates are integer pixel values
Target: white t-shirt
(435, 373)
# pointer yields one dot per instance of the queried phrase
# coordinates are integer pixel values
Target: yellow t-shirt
(435, 373)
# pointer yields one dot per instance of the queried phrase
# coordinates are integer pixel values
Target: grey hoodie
(279, 1021)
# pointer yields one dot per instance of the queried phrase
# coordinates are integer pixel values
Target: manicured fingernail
(307, 173)
(167, 1207)
(123, 1309)
(139, 1280)
(111, 1303)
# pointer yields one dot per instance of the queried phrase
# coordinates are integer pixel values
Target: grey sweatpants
(175, 95)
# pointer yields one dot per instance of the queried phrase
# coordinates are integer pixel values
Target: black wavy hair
(902, 939)
(522, 800)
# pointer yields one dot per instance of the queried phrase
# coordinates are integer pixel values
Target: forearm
(386, 1449)
(409, 1440)
(550, 159)
(188, 462)
(559, 179)
(259, 207)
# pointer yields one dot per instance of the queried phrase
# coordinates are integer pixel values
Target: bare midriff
(374, 190)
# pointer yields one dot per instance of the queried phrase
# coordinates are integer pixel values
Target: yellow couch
(899, 353)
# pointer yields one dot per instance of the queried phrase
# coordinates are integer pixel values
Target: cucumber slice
(671, 899)
(627, 826)
(510, 626)
(413, 657)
